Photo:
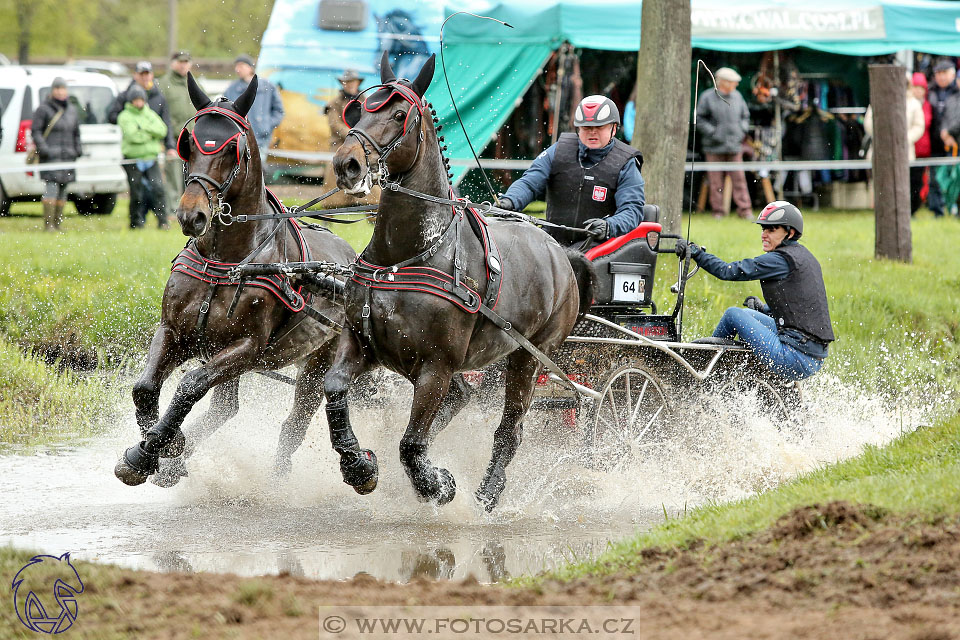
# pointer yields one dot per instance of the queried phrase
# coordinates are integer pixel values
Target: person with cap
(56, 134)
(791, 332)
(143, 77)
(591, 180)
(144, 132)
(267, 110)
(173, 86)
(944, 88)
(723, 119)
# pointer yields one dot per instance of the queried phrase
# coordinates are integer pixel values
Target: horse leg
(453, 403)
(520, 382)
(162, 358)
(357, 466)
(430, 482)
(141, 461)
(307, 398)
(224, 405)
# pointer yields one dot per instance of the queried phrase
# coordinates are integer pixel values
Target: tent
(490, 65)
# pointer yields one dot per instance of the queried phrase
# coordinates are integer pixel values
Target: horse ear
(245, 101)
(197, 96)
(425, 76)
(386, 71)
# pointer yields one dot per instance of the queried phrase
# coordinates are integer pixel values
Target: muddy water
(231, 515)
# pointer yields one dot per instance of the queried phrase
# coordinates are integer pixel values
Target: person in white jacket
(915, 123)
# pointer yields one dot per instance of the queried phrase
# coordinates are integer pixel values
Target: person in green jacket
(143, 134)
(173, 85)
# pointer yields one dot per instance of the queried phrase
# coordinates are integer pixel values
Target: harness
(209, 147)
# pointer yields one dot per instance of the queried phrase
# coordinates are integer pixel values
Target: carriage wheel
(779, 398)
(631, 415)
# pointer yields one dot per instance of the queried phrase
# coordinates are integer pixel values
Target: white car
(22, 89)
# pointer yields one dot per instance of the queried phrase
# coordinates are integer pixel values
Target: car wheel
(99, 204)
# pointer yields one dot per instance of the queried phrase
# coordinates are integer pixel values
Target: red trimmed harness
(407, 277)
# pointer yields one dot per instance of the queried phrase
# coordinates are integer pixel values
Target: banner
(777, 23)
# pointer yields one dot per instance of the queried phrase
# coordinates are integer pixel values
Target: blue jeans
(760, 332)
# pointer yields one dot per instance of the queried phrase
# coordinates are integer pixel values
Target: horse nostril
(352, 168)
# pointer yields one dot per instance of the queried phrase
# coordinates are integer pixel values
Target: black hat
(245, 59)
(181, 55)
(943, 64)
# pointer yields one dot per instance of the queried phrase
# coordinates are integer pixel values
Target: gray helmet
(595, 111)
(781, 213)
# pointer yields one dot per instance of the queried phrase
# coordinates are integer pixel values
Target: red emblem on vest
(600, 194)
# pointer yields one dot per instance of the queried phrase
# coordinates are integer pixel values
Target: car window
(91, 102)
(6, 95)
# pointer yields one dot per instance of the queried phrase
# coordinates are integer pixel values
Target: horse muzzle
(353, 177)
(193, 223)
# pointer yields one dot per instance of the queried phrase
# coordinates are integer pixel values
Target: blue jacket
(532, 185)
(266, 112)
(770, 266)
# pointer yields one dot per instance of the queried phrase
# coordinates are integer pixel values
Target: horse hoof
(447, 488)
(281, 466)
(170, 473)
(360, 470)
(128, 475)
(488, 495)
(487, 501)
(174, 448)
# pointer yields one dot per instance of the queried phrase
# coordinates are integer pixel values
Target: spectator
(143, 77)
(944, 87)
(267, 110)
(173, 86)
(921, 148)
(56, 133)
(143, 134)
(723, 118)
(915, 124)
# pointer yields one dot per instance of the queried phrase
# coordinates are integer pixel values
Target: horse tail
(584, 272)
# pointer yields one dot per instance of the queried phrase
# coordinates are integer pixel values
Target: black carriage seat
(625, 265)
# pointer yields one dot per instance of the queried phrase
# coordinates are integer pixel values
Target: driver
(591, 179)
(791, 332)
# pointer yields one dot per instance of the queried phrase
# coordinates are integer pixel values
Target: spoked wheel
(632, 415)
(779, 399)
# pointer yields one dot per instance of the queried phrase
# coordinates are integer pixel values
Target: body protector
(799, 301)
(575, 193)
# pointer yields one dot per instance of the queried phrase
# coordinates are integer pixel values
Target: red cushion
(613, 244)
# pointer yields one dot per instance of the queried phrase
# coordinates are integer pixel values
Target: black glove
(507, 204)
(754, 303)
(686, 249)
(597, 228)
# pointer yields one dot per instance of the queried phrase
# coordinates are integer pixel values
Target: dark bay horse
(260, 326)
(396, 318)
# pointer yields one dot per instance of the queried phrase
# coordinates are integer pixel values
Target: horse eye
(399, 115)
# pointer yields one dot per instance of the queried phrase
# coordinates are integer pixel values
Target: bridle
(218, 208)
(354, 110)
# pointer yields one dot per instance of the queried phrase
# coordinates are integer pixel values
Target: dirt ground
(824, 571)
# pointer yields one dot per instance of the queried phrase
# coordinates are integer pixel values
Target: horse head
(220, 154)
(389, 124)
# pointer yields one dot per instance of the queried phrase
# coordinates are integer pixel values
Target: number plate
(628, 287)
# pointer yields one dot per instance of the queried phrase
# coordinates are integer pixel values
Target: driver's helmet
(781, 213)
(596, 111)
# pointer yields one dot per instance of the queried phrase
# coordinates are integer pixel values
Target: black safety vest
(799, 301)
(575, 193)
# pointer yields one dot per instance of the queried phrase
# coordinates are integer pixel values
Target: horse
(432, 311)
(260, 324)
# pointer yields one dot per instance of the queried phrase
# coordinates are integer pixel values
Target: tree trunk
(891, 172)
(25, 10)
(663, 104)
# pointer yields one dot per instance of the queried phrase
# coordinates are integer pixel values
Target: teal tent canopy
(491, 66)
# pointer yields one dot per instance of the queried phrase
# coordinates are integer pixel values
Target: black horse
(412, 305)
(233, 329)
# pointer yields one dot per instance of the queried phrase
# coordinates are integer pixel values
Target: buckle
(204, 306)
(365, 311)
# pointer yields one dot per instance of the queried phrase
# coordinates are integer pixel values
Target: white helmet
(596, 111)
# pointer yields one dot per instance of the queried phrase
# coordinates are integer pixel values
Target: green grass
(918, 474)
(95, 291)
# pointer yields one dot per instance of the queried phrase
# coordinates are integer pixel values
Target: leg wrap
(338, 419)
